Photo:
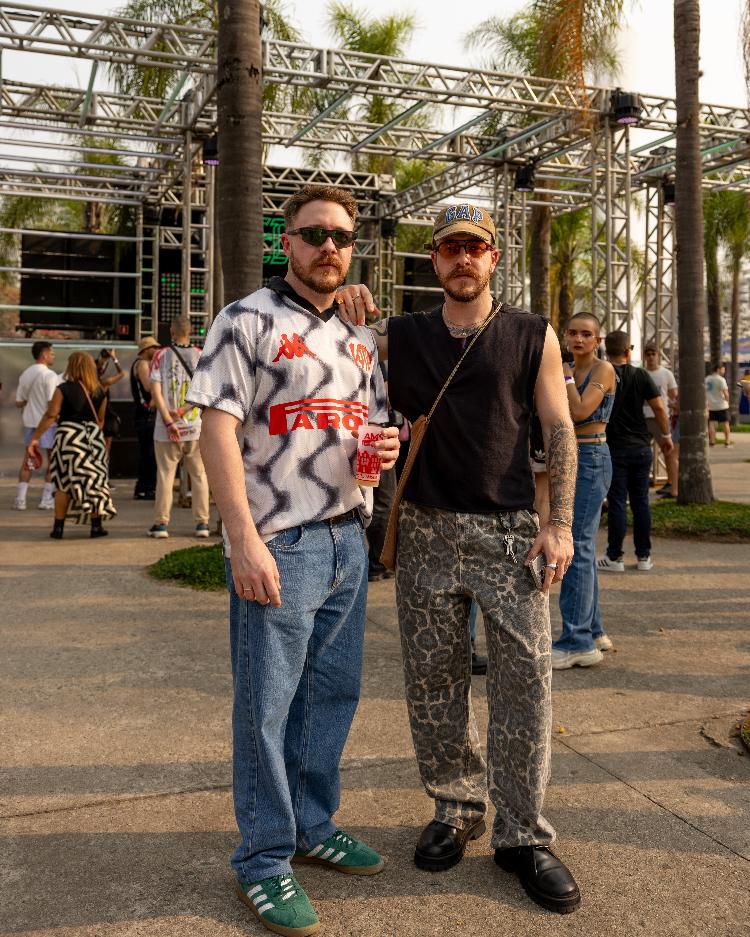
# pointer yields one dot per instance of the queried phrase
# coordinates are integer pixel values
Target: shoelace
(285, 887)
(344, 840)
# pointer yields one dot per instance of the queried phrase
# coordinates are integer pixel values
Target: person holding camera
(111, 427)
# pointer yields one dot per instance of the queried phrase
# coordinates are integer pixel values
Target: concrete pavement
(115, 811)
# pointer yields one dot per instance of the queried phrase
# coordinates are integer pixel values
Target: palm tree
(239, 197)
(570, 257)
(386, 35)
(695, 474)
(736, 237)
(566, 40)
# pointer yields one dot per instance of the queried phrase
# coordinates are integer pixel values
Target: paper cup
(368, 460)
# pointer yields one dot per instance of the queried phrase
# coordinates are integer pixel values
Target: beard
(465, 292)
(316, 278)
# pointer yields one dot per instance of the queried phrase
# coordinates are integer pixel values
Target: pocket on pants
(287, 540)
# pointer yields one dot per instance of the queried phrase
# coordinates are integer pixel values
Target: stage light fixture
(524, 181)
(211, 151)
(626, 107)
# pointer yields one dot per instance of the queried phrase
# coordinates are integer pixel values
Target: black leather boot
(441, 846)
(544, 877)
(57, 529)
(96, 528)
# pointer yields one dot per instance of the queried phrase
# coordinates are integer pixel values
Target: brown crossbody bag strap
(91, 404)
(418, 430)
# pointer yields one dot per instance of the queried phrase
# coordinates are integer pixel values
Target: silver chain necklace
(463, 331)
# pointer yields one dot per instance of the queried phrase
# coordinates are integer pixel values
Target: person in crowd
(590, 385)
(285, 375)
(111, 426)
(36, 385)
(78, 463)
(177, 430)
(667, 386)
(467, 530)
(629, 444)
(717, 401)
(144, 418)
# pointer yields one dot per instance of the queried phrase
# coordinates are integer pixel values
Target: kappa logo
(463, 213)
(293, 347)
(362, 357)
(316, 413)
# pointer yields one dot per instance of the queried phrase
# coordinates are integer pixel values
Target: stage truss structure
(483, 126)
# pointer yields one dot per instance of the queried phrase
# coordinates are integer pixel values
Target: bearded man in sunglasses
(467, 530)
(284, 376)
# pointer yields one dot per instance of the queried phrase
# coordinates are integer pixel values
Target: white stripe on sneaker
(254, 890)
(264, 907)
(314, 852)
(338, 857)
(258, 898)
(328, 853)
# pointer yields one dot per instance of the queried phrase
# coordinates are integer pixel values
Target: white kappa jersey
(299, 386)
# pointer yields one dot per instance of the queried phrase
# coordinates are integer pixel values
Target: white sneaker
(605, 565)
(645, 564)
(564, 660)
(603, 643)
(19, 504)
(46, 504)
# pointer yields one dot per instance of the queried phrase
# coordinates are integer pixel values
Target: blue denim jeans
(579, 593)
(296, 674)
(631, 472)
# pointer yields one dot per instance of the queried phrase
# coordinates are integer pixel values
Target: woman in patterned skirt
(78, 463)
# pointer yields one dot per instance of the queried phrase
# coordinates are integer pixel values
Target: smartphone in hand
(538, 569)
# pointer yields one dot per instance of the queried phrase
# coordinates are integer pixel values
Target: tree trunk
(733, 378)
(695, 474)
(239, 204)
(541, 223)
(566, 304)
(713, 301)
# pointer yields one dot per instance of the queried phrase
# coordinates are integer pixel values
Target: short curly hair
(320, 193)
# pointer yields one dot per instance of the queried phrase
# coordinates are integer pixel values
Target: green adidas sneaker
(343, 853)
(281, 905)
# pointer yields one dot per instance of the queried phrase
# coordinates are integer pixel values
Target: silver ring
(551, 566)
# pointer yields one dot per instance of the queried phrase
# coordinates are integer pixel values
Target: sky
(646, 46)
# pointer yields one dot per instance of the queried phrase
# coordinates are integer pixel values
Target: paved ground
(115, 813)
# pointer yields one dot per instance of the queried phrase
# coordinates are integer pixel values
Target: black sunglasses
(316, 237)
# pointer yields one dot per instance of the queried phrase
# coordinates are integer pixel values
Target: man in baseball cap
(467, 530)
(463, 219)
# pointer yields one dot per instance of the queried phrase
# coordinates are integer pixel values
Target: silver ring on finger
(551, 566)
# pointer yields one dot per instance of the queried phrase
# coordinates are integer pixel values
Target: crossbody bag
(418, 430)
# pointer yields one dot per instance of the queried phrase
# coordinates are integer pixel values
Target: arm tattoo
(380, 327)
(562, 465)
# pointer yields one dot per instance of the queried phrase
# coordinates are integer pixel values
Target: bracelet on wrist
(569, 379)
(168, 425)
(560, 522)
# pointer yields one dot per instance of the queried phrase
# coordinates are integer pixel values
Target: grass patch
(741, 428)
(197, 567)
(745, 732)
(725, 521)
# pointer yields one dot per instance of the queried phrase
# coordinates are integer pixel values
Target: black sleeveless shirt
(475, 456)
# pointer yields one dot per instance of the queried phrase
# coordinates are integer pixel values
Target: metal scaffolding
(484, 126)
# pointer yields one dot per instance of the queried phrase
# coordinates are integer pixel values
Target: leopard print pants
(444, 560)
